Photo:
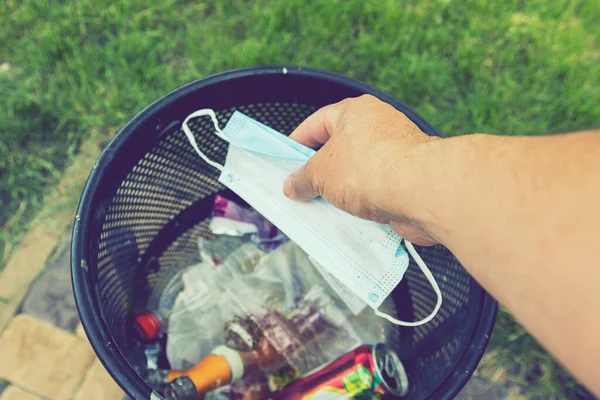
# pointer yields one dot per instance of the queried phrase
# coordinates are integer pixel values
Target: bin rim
(84, 291)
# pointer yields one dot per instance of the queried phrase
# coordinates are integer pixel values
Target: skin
(522, 214)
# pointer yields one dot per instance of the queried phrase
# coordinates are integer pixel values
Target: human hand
(356, 168)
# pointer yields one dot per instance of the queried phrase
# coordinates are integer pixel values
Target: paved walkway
(44, 351)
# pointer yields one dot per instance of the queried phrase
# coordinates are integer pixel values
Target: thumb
(299, 185)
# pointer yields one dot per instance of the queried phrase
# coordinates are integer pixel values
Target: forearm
(523, 216)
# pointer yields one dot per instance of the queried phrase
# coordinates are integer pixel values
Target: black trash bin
(149, 197)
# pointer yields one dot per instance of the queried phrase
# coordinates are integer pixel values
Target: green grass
(72, 69)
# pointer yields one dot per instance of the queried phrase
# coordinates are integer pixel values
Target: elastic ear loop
(413, 252)
(432, 282)
(186, 129)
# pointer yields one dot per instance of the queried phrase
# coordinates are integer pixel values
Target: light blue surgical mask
(365, 256)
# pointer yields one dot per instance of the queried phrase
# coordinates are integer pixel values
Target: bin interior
(153, 199)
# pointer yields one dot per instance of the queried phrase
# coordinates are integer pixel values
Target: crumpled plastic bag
(278, 291)
(202, 309)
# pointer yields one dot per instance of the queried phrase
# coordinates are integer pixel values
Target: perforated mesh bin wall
(147, 202)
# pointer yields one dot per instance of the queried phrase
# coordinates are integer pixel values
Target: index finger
(316, 130)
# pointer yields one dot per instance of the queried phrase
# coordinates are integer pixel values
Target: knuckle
(345, 103)
(367, 98)
(356, 104)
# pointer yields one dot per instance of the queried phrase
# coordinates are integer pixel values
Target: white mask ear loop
(433, 284)
(186, 129)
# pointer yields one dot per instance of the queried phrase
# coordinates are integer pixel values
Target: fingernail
(287, 186)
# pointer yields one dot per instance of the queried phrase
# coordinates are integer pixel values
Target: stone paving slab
(99, 385)
(29, 258)
(25, 264)
(50, 297)
(60, 260)
(43, 359)
(15, 393)
(80, 332)
(23, 267)
(8, 308)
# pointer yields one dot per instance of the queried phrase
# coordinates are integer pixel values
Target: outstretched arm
(521, 213)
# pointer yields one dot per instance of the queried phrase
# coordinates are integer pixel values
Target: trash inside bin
(153, 218)
(270, 309)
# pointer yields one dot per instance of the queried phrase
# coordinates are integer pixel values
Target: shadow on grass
(521, 368)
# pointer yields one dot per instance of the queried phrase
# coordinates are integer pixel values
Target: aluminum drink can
(367, 372)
